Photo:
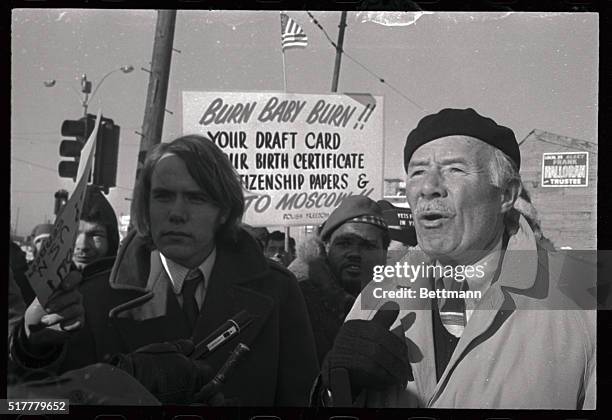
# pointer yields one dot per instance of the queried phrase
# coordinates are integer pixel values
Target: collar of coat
(241, 261)
(142, 283)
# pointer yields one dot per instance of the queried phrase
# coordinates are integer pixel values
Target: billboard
(298, 155)
(565, 169)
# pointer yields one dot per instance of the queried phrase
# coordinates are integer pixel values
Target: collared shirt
(178, 273)
(488, 265)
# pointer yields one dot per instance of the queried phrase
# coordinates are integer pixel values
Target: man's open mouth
(432, 219)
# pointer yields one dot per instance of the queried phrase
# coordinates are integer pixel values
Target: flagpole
(284, 74)
(287, 230)
(283, 52)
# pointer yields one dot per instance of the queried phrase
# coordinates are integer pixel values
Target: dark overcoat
(132, 305)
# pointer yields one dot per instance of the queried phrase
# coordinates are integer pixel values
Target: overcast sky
(525, 70)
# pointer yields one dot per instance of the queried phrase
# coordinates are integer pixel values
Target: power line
(33, 192)
(34, 133)
(55, 171)
(18, 141)
(379, 78)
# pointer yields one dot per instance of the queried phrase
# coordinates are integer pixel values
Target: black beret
(463, 122)
(354, 209)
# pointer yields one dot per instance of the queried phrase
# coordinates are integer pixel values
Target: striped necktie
(190, 304)
(452, 310)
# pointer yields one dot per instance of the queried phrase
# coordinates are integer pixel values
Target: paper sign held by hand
(53, 261)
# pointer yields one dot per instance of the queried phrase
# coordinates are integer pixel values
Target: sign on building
(565, 169)
(298, 155)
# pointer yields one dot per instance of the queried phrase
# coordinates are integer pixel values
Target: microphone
(227, 331)
(224, 372)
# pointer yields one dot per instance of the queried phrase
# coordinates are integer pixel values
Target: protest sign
(565, 169)
(298, 155)
(53, 261)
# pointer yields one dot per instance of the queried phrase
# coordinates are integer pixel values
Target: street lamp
(86, 85)
(124, 69)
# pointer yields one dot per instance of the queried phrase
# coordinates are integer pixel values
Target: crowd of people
(144, 321)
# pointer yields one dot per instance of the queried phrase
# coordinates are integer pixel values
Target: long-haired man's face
(183, 220)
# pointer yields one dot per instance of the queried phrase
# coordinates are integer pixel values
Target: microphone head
(386, 314)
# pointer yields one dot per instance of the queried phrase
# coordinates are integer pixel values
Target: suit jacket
(132, 306)
(530, 343)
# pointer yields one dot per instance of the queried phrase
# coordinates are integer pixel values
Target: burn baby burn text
(275, 110)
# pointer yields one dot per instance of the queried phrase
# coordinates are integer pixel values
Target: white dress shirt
(488, 265)
(177, 274)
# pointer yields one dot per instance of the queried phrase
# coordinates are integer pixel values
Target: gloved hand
(63, 313)
(374, 357)
(166, 371)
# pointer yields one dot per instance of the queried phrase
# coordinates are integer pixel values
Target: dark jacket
(327, 302)
(131, 306)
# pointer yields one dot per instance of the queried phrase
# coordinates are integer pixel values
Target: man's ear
(509, 195)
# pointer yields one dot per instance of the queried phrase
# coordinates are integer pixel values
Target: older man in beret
(351, 242)
(510, 335)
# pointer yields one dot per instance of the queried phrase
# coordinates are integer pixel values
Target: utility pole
(339, 52)
(153, 123)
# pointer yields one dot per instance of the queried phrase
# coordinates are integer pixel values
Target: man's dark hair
(277, 235)
(97, 209)
(211, 170)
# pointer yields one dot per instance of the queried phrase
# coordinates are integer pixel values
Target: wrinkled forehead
(359, 231)
(451, 148)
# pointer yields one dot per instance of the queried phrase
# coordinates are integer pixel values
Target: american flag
(292, 35)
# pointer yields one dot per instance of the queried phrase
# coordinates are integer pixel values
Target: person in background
(275, 248)
(97, 241)
(350, 243)
(39, 234)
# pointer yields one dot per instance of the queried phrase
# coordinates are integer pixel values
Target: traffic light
(106, 155)
(79, 129)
